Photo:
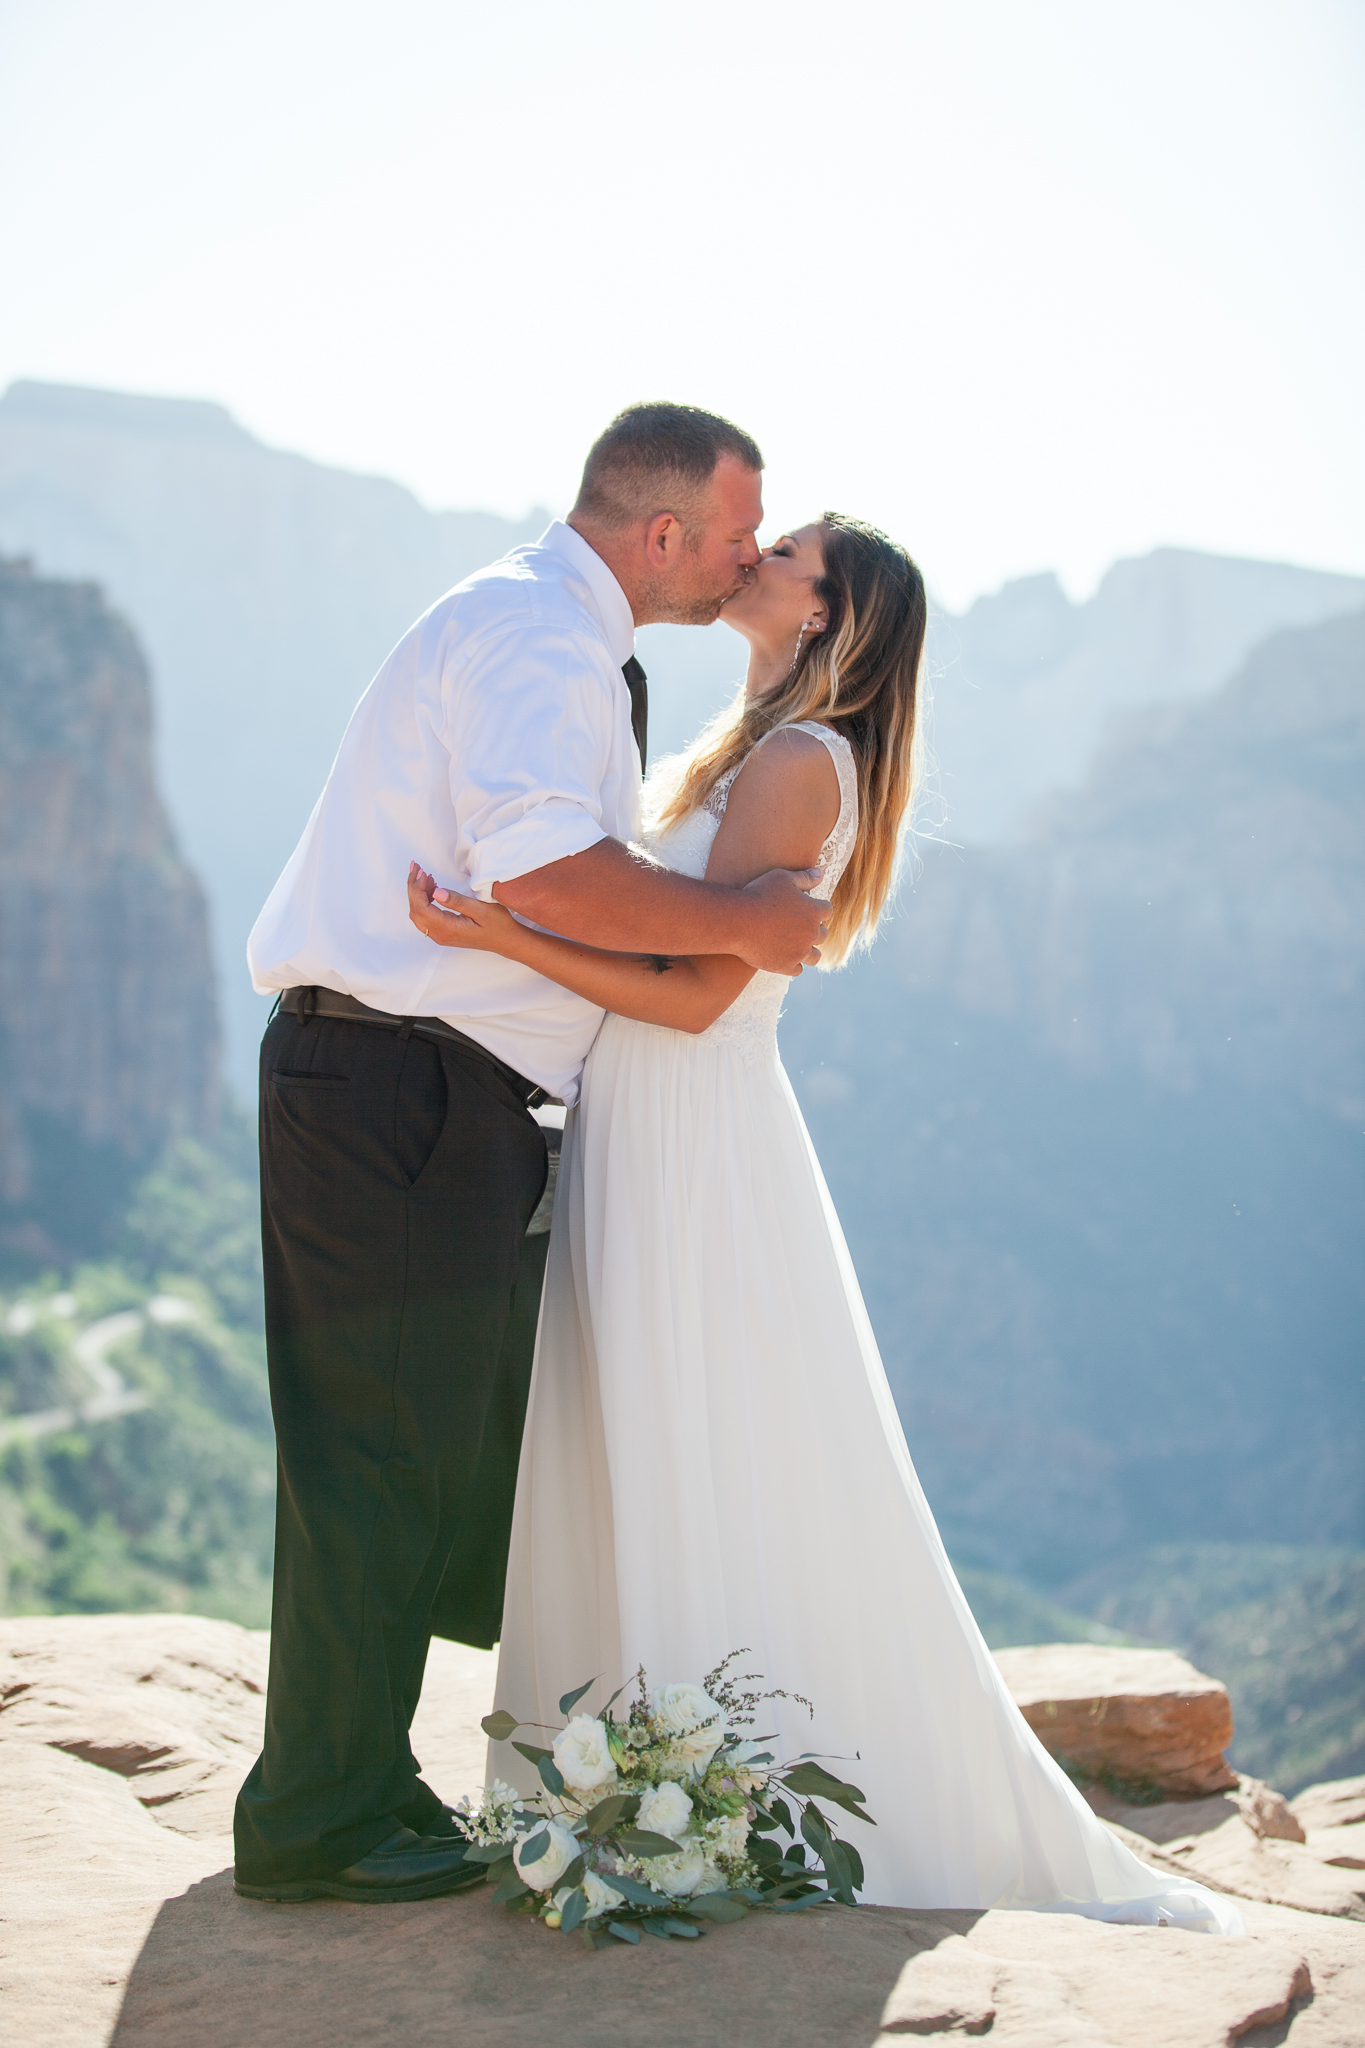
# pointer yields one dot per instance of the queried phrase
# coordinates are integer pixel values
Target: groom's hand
(788, 920)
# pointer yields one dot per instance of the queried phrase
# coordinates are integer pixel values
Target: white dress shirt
(495, 739)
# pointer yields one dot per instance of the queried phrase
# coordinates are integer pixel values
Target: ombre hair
(860, 676)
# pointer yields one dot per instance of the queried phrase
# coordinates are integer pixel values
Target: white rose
(665, 1810)
(582, 1755)
(601, 1896)
(698, 1747)
(732, 1836)
(682, 1708)
(679, 1875)
(693, 1720)
(546, 1871)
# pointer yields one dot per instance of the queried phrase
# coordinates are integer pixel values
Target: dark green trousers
(397, 1179)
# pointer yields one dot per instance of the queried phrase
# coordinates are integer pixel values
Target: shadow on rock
(222, 1972)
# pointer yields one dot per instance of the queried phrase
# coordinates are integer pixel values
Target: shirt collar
(610, 601)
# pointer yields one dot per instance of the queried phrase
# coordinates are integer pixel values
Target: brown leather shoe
(404, 1866)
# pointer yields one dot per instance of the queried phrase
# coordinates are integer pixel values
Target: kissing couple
(710, 1457)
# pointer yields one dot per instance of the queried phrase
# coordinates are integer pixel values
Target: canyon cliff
(108, 1019)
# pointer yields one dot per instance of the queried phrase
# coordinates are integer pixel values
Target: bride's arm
(686, 993)
(782, 807)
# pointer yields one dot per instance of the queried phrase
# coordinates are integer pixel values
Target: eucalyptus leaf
(574, 1873)
(855, 1865)
(792, 1885)
(782, 1814)
(487, 1852)
(573, 1911)
(813, 1828)
(497, 1727)
(571, 1699)
(798, 1905)
(631, 1888)
(550, 1776)
(838, 1873)
(642, 1842)
(717, 1906)
(812, 1781)
(623, 1931)
(683, 1929)
(510, 1888)
(609, 1813)
(533, 1849)
(532, 1751)
(654, 1923)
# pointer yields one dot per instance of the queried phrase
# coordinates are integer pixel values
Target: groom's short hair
(658, 458)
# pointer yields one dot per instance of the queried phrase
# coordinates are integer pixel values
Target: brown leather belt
(305, 1002)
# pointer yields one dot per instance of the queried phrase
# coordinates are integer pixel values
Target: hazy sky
(1031, 283)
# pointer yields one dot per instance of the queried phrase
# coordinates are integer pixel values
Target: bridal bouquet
(663, 1819)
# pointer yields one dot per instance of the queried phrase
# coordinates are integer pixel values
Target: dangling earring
(807, 626)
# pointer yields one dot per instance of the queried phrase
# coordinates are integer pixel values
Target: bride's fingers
(463, 906)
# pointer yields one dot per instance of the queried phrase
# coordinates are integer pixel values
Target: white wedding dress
(713, 1460)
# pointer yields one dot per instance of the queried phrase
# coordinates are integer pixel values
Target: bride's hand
(451, 920)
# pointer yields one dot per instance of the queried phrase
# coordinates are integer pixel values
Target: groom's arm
(535, 720)
(614, 897)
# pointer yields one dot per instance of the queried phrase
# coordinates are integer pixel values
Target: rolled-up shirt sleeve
(530, 723)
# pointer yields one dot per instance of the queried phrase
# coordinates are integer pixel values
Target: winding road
(112, 1394)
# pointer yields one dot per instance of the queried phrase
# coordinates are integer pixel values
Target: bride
(712, 1456)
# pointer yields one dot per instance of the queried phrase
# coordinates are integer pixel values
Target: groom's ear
(663, 539)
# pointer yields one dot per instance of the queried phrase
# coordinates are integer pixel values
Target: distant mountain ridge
(1194, 908)
(267, 589)
(1031, 687)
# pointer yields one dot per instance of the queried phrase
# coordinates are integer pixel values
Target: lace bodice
(750, 1023)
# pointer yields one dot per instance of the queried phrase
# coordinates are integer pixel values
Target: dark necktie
(637, 684)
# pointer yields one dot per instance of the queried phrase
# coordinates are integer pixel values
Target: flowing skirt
(713, 1461)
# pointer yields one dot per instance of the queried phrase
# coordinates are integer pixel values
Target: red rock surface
(121, 1742)
(1138, 1717)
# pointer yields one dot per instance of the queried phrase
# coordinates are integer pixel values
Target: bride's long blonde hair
(860, 676)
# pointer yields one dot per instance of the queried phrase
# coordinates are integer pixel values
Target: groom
(501, 745)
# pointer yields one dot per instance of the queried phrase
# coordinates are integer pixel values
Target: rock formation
(1188, 914)
(1029, 687)
(266, 589)
(1141, 1718)
(108, 1029)
(122, 1741)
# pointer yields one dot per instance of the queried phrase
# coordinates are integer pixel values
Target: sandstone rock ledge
(122, 1740)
